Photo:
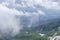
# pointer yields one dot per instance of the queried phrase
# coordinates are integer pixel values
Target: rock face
(54, 38)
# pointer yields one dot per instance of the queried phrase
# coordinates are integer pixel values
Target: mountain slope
(53, 25)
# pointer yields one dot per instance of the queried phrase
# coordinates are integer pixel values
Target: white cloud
(13, 11)
(8, 21)
(16, 12)
(41, 12)
(7, 15)
(49, 4)
(5, 3)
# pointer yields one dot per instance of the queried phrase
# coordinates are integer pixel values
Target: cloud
(21, 5)
(22, 8)
(8, 20)
(28, 7)
(9, 9)
(49, 4)
(9, 25)
(41, 12)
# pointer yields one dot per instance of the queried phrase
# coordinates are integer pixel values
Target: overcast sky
(30, 7)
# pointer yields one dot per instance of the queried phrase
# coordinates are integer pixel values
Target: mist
(9, 24)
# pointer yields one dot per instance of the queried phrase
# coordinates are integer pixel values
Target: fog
(9, 25)
(27, 12)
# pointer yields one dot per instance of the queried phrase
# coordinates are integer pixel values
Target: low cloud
(9, 25)
(49, 4)
(9, 9)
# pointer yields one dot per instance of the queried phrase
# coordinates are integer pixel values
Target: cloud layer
(9, 25)
(49, 4)
(33, 9)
